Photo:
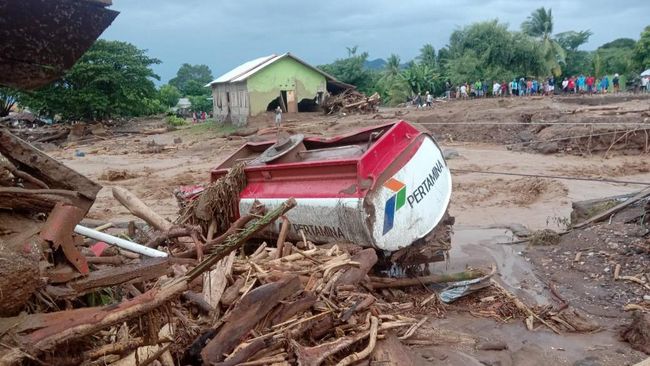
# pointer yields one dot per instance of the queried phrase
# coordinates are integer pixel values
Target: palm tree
(393, 82)
(540, 26)
(428, 55)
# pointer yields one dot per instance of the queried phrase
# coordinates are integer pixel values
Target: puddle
(479, 247)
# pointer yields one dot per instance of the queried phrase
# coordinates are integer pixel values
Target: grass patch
(211, 128)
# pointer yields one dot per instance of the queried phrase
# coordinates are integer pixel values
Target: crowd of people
(528, 86)
(580, 84)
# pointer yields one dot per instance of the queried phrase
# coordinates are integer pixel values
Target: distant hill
(376, 64)
(379, 64)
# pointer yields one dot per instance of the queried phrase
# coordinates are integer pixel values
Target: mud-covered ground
(484, 204)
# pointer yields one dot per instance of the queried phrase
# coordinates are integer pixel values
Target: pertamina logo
(394, 203)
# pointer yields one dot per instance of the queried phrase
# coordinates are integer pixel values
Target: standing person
(572, 85)
(529, 87)
(496, 89)
(551, 85)
(486, 87)
(522, 87)
(616, 82)
(448, 89)
(590, 84)
(565, 85)
(514, 88)
(463, 91)
(582, 83)
(504, 88)
(278, 116)
(429, 100)
(418, 101)
(644, 84)
(604, 84)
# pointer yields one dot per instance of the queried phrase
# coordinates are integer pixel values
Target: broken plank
(251, 309)
(143, 271)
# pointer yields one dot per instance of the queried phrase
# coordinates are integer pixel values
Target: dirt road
(484, 205)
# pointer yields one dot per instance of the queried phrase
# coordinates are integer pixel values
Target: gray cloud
(223, 34)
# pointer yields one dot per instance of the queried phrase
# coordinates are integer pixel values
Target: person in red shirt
(572, 85)
(590, 84)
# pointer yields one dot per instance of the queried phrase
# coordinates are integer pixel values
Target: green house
(265, 83)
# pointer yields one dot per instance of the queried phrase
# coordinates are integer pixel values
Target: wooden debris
(351, 101)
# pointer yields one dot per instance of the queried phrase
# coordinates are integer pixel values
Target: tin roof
(248, 69)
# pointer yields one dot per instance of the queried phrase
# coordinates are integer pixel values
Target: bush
(175, 121)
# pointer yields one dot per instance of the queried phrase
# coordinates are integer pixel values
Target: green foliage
(191, 79)
(392, 84)
(111, 79)
(8, 98)
(571, 40)
(351, 70)
(428, 56)
(620, 43)
(540, 26)
(200, 103)
(168, 95)
(576, 62)
(488, 51)
(641, 54)
(175, 121)
(614, 57)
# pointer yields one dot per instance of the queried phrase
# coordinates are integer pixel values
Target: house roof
(250, 68)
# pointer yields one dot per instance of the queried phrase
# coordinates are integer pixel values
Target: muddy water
(478, 241)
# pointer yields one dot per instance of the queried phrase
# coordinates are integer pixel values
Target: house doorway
(289, 96)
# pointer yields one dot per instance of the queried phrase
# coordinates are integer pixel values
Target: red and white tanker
(386, 187)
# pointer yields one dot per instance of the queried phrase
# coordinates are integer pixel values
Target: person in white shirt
(645, 81)
(463, 91)
(429, 99)
(496, 89)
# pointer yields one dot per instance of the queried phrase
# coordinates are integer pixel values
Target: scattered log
(250, 310)
(603, 215)
(19, 279)
(143, 271)
(385, 282)
(139, 209)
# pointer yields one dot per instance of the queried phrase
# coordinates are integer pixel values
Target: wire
(600, 180)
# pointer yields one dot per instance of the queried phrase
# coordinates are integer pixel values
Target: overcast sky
(225, 33)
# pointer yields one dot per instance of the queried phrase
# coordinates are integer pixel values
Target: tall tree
(351, 70)
(191, 79)
(577, 62)
(641, 54)
(540, 25)
(394, 86)
(169, 95)
(571, 40)
(428, 56)
(614, 57)
(112, 78)
(489, 51)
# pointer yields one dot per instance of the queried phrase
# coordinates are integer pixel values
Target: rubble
(351, 101)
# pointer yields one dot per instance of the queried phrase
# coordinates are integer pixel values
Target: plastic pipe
(122, 243)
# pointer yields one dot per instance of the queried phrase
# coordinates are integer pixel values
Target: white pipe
(113, 240)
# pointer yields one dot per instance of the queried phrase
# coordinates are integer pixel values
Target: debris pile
(351, 101)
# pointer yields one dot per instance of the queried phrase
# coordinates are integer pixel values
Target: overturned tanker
(386, 187)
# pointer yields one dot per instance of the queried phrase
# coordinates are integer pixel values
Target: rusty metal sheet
(59, 228)
(41, 39)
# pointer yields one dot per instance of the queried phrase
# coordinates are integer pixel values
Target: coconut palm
(393, 82)
(540, 26)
